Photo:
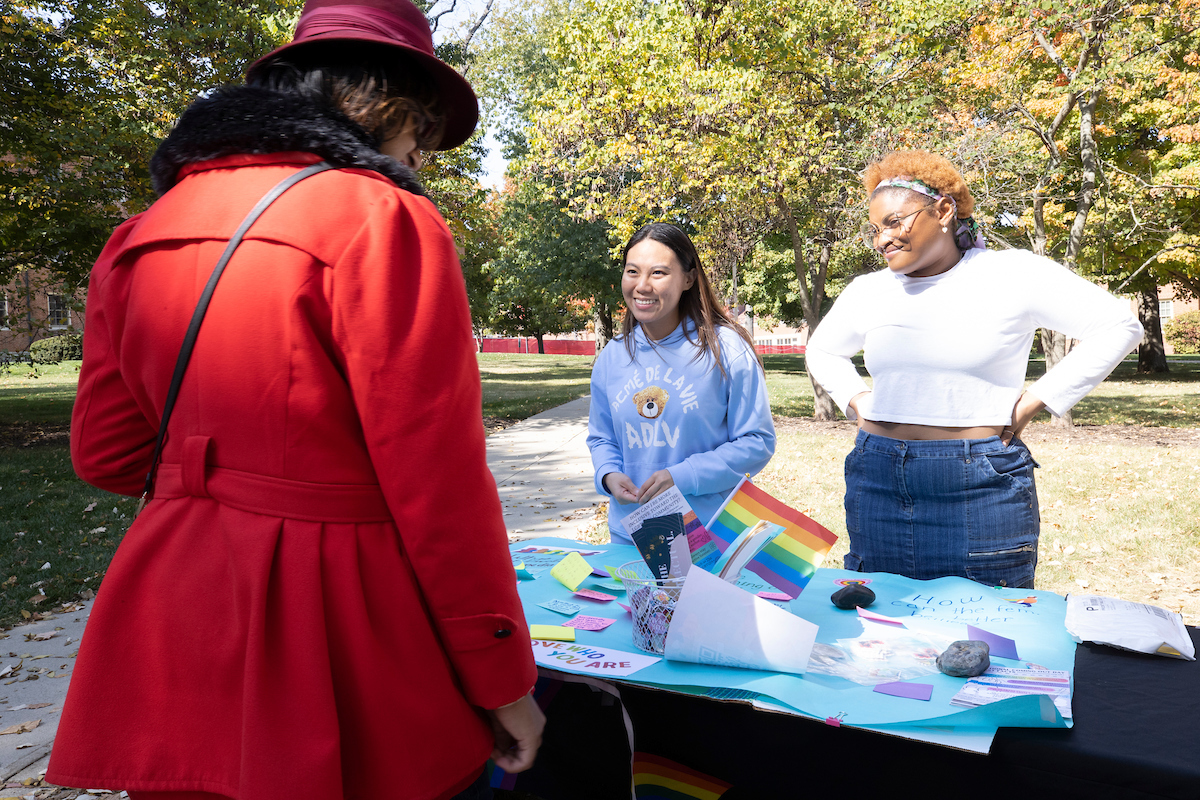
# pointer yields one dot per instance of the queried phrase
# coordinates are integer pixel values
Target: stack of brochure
(1001, 683)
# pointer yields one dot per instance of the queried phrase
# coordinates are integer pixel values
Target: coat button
(503, 633)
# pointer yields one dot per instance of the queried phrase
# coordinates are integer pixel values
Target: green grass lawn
(1125, 398)
(516, 386)
(42, 395)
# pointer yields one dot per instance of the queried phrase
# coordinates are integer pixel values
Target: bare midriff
(912, 431)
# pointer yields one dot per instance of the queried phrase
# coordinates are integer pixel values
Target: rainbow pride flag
(658, 778)
(790, 559)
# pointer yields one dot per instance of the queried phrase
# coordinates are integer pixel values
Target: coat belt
(262, 494)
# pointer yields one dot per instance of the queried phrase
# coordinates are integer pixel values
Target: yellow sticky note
(571, 570)
(555, 633)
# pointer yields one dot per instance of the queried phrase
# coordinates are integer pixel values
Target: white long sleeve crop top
(952, 349)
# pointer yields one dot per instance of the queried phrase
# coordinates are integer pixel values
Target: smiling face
(652, 284)
(911, 237)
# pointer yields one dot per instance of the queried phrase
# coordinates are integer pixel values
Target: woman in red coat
(318, 599)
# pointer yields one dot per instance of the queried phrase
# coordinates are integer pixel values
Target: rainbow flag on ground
(658, 778)
(790, 559)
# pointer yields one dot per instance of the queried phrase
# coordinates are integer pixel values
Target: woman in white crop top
(938, 482)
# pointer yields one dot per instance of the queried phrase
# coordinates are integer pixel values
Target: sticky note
(600, 573)
(999, 646)
(620, 574)
(522, 573)
(562, 607)
(612, 586)
(775, 596)
(912, 691)
(586, 623)
(555, 633)
(592, 594)
(627, 608)
(571, 571)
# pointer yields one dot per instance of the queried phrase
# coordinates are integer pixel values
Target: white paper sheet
(717, 623)
(668, 502)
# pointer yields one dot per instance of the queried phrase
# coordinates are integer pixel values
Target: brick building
(34, 307)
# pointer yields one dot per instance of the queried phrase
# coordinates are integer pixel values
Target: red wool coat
(319, 594)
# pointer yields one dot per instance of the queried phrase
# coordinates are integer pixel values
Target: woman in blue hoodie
(684, 401)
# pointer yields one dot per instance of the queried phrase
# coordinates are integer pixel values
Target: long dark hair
(698, 303)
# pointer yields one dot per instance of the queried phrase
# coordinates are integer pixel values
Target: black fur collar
(246, 119)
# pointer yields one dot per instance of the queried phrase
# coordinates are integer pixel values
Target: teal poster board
(1033, 620)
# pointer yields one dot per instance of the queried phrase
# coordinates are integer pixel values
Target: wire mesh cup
(653, 601)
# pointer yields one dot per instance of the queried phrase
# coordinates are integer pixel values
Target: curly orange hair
(929, 168)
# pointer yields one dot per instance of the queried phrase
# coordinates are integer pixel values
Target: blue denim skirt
(930, 509)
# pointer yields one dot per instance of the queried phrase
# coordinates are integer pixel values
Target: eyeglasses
(892, 226)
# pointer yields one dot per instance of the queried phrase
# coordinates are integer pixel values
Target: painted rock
(853, 596)
(965, 659)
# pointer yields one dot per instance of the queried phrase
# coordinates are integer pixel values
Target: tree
(1095, 88)
(553, 269)
(86, 91)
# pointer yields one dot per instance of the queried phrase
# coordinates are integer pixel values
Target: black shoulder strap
(189, 339)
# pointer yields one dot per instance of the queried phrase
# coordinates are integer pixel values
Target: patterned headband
(967, 235)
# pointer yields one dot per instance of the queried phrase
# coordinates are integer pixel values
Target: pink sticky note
(585, 623)
(912, 691)
(862, 612)
(627, 608)
(999, 646)
(775, 596)
(592, 594)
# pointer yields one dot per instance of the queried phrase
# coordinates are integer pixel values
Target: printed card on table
(589, 659)
(703, 549)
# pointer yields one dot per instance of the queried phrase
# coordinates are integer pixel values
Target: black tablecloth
(1136, 735)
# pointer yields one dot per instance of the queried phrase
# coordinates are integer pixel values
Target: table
(1136, 736)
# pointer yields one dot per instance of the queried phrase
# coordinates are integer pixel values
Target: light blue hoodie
(668, 410)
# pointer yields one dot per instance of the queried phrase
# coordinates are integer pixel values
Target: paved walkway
(544, 475)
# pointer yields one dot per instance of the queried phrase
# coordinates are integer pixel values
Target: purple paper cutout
(998, 646)
(911, 691)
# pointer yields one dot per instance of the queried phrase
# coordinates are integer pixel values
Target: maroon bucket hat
(395, 23)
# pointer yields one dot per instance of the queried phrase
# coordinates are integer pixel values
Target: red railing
(554, 347)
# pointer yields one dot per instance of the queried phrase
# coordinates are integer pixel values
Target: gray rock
(853, 596)
(965, 659)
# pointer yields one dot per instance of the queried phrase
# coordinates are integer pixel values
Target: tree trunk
(541, 343)
(811, 299)
(1152, 355)
(1055, 344)
(603, 323)
(823, 406)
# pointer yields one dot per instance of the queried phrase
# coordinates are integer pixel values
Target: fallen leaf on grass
(87, 594)
(90, 506)
(37, 598)
(21, 727)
